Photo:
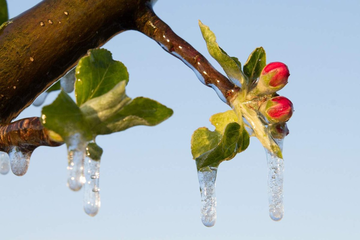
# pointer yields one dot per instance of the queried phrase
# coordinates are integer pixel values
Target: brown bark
(152, 26)
(43, 43)
(27, 134)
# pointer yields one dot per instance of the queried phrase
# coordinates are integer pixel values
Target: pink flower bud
(277, 109)
(273, 77)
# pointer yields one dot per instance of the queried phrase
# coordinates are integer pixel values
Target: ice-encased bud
(277, 109)
(273, 77)
(279, 130)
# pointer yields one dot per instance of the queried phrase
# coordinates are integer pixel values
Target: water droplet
(67, 82)
(275, 186)
(19, 161)
(76, 155)
(207, 180)
(14, 87)
(42, 24)
(31, 59)
(50, 21)
(40, 99)
(66, 13)
(4, 163)
(91, 188)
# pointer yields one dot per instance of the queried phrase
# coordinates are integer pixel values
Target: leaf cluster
(102, 106)
(210, 148)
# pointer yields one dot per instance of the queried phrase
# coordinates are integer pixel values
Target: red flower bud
(273, 77)
(277, 109)
(279, 130)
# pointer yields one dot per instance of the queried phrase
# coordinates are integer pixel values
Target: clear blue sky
(149, 187)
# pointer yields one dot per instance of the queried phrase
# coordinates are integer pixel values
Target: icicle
(275, 184)
(67, 82)
(4, 163)
(91, 189)
(40, 99)
(207, 180)
(19, 161)
(76, 155)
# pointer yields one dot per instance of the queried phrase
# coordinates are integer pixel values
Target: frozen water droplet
(275, 186)
(207, 180)
(40, 99)
(67, 82)
(91, 188)
(235, 81)
(19, 161)
(218, 92)
(197, 73)
(76, 156)
(4, 163)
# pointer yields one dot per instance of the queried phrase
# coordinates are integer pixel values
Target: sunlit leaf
(231, 66)
(96, 74)
(102, 105)
(64, 117)
(255, 64)
(210, 148)
(139, 111)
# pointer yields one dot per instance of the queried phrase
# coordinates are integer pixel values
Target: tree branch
(27, 134)
(152, 26)
(43, 43)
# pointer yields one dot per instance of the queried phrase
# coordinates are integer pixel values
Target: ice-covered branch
(26, 134)
(42, 44)
(152, 26)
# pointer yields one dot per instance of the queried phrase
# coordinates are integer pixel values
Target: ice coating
(207, 184)
(275, 186)
(4, 163)
(76, 155)
(91, 187)
(67, 82)
(19, 161)
(198, 74)
(40, 99)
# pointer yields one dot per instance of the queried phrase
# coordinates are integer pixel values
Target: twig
(152, 26)
(27, 134)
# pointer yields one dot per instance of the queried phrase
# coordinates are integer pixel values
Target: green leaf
(54, 87)
(210, 148)
(231, 66)
(220, 120)
(96, 74)
(102, 108)
(203, 140)
(255, 64)
(139, 111)
(93, 151)
(4, 16)
(64, 117)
